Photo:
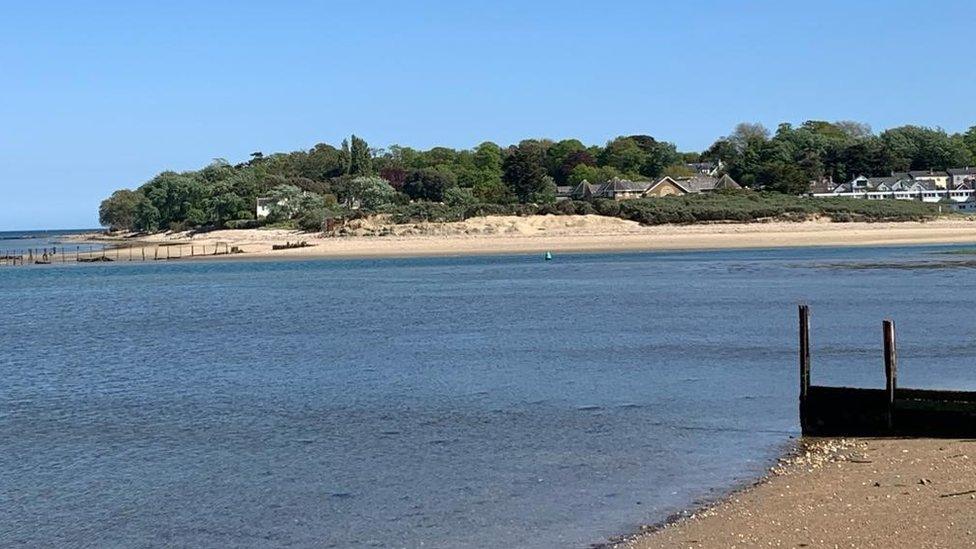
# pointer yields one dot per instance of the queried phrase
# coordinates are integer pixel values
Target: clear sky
(96, 96)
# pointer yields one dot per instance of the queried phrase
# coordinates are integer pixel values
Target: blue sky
(101, 96)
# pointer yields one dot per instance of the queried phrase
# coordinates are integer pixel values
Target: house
(938, 178)
(666, 186)
(959, 176)
(965, 206)
(625, 189)
(706, 168)
(703, 183)
(923, 186)
(585, 191)
(263, 207)
(564, 192)
(614, 189)
(822, 185)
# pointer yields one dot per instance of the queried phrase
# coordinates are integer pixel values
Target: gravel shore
(844, 493)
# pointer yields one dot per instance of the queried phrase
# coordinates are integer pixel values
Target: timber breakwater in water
(102, 254)
(892, 411)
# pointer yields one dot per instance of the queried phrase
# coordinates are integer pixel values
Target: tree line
(306, 186)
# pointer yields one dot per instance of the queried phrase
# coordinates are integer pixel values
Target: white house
(924, 188)
(263, 207)
(939, 179)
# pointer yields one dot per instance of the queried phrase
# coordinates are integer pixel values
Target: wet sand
(848, 493)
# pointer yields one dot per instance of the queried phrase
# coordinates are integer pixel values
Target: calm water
(13, 242)
(475, 402)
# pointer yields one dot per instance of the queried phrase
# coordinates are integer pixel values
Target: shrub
(311, 220)
(242, 224)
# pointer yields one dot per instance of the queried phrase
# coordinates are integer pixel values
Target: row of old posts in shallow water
(65, 254)
(831, 411)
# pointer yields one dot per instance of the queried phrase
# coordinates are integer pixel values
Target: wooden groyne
(158, 252)
(892, 411)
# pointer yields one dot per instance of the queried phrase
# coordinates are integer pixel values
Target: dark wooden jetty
(892, 411)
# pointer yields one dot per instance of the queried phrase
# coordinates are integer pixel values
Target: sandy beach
(845, 493)
(537, 234)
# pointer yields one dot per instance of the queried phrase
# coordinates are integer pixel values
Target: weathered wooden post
(804, 363)
(891, 368)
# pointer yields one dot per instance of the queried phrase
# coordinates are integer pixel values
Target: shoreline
(790, 452)
(838, 492)
(557, 234)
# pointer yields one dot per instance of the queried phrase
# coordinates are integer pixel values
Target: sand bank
(535, 234)
(851, 493)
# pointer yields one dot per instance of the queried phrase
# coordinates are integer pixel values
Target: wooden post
(143, 253)
(804, 363)
(891, 368)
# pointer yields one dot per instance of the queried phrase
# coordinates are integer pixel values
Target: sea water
(500, 401)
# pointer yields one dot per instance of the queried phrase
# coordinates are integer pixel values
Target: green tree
(657, 155)
(174, 195)
(118, 212)
(624, 155)
(491, 191)
(969, 140)
(784, 177)
(147, 218)
(428, 184)
(360, 159)
(458, 197)
(285, 201)
(524, 171)
(374, 192)
(593, 174)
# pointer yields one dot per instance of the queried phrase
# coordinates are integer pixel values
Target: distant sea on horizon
(447, 402)
(20, 240)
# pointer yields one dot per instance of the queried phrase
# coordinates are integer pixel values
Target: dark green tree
(428, 184)
(118, 212)
(524, 170)
(360, 159)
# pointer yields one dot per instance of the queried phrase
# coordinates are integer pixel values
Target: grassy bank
(737, 206)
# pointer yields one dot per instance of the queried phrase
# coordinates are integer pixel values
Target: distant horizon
(103, 97)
